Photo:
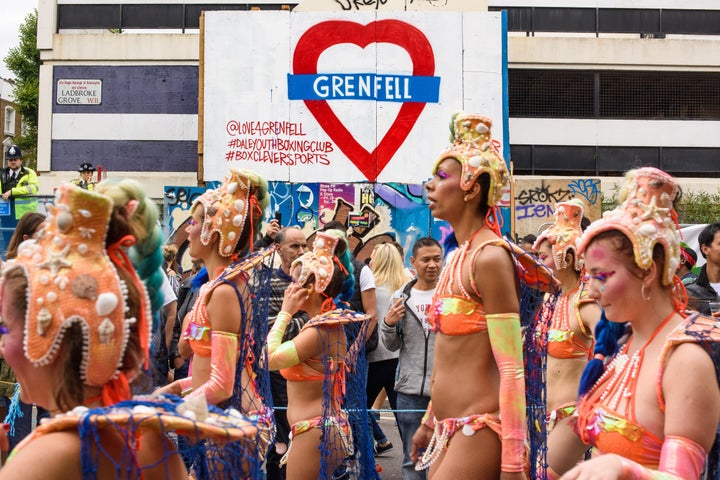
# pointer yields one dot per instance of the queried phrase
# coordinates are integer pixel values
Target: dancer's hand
(420, 441)
(604, 467)
(173, 388)
(295, 297)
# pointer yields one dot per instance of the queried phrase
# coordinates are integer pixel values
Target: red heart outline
(319, 38)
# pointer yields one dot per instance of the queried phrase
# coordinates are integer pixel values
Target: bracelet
(283, 316)
(428, 420)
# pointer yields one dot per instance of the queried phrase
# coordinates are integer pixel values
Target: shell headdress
(71, 279)
(647, 216)
(319, 261)
(226, 211)
(472, 146)
(564, 233)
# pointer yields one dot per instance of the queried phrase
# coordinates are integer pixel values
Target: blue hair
(348, 286)
(200, 278)
(607, 334)
(449, 244)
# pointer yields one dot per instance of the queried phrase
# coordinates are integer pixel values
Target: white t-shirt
(716, 287)
(367, 279)
(167, 291)
(420, 301)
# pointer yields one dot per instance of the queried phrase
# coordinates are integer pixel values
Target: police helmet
(13, 153)
(86, 167)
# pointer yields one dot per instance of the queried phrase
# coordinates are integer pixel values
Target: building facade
(595, 87)
(10, 118)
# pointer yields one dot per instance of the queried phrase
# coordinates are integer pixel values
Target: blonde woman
(389, 272)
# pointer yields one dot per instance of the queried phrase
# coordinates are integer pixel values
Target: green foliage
(693, 207)
(24, 61)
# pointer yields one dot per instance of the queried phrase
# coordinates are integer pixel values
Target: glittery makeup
(600, 276)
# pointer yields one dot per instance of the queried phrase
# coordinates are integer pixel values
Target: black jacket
(701, 293)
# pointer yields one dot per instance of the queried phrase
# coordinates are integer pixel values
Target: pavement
(391, 461)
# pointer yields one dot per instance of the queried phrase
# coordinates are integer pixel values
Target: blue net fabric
(250, 277)
(138, 438)
(539, 290)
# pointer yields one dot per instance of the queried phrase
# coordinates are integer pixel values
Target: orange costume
(319, 264)
(606, 414)
(73, 278)
(456, 312)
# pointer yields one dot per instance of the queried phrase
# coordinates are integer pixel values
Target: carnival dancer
(227, 326)
(478, 366)
(77, 327)
(654, 410)
(567, 332)
(317, 360)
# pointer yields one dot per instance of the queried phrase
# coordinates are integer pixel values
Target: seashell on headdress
(647, 216)
(473, 147)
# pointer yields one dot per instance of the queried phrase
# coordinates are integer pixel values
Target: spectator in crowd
(527, 242)
(405, 328)
(170, 265)
(705, 288)
(688, 259)
(85, 181)
(291, 244)
(389, 272)
(269, 237)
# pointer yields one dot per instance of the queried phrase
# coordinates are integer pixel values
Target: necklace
(451, 275)
(622, 373)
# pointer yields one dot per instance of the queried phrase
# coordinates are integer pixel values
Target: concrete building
(10, 118)
(595, 87)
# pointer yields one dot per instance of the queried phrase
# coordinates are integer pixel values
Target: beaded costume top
(610, 424)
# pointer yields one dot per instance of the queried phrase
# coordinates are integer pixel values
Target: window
(9, 121)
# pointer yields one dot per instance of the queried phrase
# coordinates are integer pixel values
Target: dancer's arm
(680, 459)
(506, 344)
(223, 360)
(499, 296)
(281, 354)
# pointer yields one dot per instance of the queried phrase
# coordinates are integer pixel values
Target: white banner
(345, 96)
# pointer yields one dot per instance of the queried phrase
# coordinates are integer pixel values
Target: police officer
(18, 183)
(86, 170)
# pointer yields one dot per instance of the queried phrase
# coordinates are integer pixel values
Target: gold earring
(643, 292)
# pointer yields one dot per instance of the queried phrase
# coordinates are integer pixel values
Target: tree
(24, 61)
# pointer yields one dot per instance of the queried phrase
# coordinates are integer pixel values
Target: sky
(12, 15)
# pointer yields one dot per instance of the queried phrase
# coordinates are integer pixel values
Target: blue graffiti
(533, 210)
(588, 188)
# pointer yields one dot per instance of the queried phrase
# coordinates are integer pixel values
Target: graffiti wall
(345, 97)
(375, 213)
(534, 201)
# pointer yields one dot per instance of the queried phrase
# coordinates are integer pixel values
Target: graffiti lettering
(263, 142)
(358, 4)
(182, 197)
(235, 127)
(533, 210)
(588, 188)
(543, 194)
